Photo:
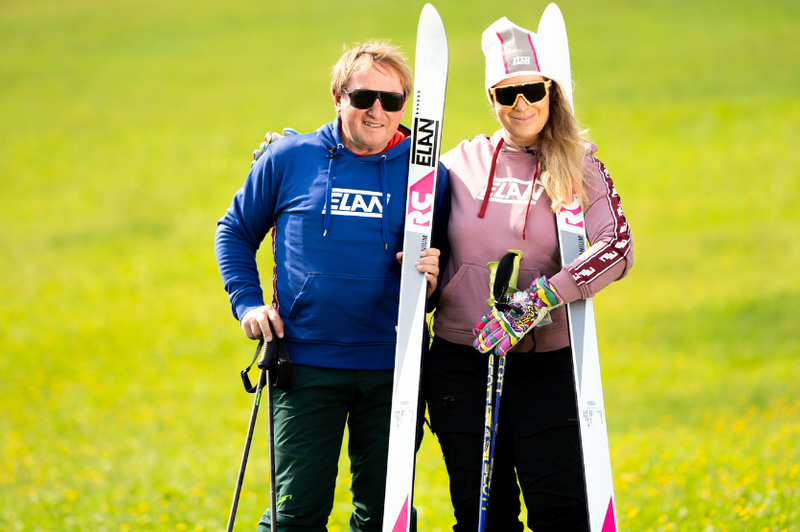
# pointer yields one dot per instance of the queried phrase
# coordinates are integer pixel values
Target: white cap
(514, 51)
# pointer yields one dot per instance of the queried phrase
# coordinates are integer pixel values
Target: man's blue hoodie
(338, 224)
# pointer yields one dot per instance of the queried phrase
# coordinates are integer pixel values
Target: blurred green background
(128, 125)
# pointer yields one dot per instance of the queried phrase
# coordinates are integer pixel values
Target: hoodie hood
(331, 138)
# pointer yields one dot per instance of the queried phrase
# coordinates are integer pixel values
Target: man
(335, 202)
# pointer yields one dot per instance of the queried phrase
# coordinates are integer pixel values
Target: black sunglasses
(364, 98)
(530, 92)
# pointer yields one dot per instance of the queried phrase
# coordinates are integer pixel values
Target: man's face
(368, 131)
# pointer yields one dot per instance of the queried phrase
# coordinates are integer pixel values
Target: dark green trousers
(309, 427)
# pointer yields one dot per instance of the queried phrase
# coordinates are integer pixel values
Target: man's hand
(269, 138)
(510, 320)
(428, 263)
(255, 323)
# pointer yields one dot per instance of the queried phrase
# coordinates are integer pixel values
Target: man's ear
(337, 101)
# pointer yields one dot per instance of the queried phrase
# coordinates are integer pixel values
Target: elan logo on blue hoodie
(350, 202)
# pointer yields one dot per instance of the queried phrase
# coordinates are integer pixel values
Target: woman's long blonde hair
(563, 149)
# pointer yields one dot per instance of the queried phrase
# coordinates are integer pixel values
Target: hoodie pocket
(463, 301)
(345, 309)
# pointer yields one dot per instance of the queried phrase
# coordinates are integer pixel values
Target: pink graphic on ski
(609, 524)
(401, 525)
(420, 201)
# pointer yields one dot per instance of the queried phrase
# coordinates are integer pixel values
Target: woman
(504, 191)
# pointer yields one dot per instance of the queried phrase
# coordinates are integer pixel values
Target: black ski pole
(273, 492)
(267, 353)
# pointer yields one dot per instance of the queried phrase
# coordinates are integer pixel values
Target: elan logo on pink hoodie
(512, 190)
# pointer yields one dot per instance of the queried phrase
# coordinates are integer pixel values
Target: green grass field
(128, 126)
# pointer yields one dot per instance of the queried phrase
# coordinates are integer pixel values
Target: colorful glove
(269, 138)
(510, 320)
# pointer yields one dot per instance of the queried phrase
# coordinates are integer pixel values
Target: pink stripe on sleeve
(604, 257)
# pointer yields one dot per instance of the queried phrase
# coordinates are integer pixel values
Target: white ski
(580, 317)
(430, 80)
(588, 384)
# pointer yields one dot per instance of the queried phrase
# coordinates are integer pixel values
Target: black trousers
(538, 440)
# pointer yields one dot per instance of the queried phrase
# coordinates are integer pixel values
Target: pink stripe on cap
(535, 57)
(503, 52)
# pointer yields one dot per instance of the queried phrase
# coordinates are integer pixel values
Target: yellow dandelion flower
(181, 526)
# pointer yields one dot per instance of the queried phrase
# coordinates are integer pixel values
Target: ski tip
(553, 31)
(553, 10)
(428, 11)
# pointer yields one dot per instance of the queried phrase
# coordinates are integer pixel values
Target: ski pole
(273, 491)
(503, 277)
(501, 367)
(267, 352)
(487, 444)
(490, 434)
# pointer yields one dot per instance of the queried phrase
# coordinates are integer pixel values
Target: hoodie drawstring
(491, 179)
(530, 197)
(326, 223)
(385, 200)
(485, 202)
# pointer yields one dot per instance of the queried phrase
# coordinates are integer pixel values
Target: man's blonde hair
(363, 56)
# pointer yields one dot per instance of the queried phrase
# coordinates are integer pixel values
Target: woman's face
(523, 122)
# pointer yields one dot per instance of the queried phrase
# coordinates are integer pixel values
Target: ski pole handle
(268, 353)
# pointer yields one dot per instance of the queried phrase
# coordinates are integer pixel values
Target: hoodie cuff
(245, 305)
(565, 286)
